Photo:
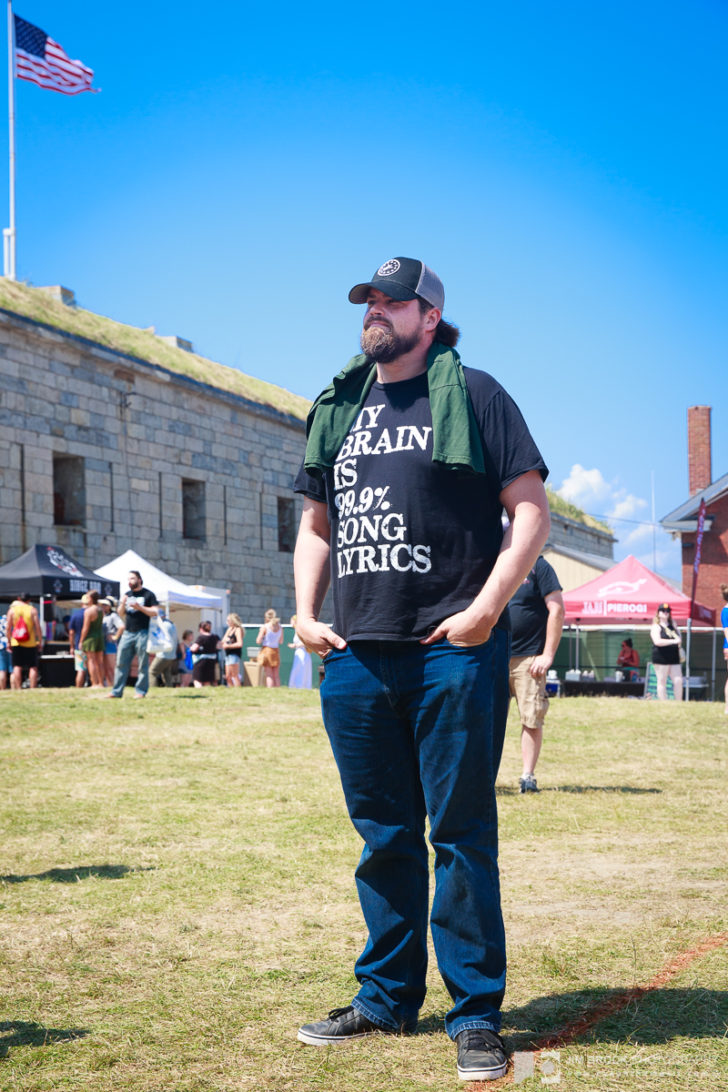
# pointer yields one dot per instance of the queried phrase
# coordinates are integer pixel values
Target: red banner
(698, 550)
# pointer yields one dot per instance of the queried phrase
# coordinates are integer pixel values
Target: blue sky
(561, 166)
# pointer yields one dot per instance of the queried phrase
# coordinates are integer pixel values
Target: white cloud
(628, 516)
(636, 536)
(585, 487)
(590, 490)
(627, 506)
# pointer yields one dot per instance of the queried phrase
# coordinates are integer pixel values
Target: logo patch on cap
(388, 268)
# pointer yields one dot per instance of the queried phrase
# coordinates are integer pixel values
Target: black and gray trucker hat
(403, 279)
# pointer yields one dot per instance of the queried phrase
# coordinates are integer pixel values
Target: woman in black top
(667, 644)
(205, 650)
(232, 644)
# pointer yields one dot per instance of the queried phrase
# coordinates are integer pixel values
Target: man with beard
(137, 606)
(410, 460)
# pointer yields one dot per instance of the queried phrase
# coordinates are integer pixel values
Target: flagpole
(9, 232)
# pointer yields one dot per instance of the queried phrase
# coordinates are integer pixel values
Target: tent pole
(712, 681)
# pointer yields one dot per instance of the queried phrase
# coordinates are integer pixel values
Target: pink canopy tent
(629, 593)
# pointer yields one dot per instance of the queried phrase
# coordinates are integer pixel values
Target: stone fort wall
(101, 452)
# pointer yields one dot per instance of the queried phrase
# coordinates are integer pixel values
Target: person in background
(300, 677)
(232, 646)
(537, 619)
(6, 661)
(23, 631)
(185, 658)
(80, 659)
(92, 638)
(270, 637)
(113, 629)
(667, 642)
(137, 606)
(205, 650)
(628, 657)
(164, 662)
(724, 623)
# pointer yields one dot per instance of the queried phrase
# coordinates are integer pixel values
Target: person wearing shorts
(113, 629)
(185, 664)
(80, 666)
(537, 619)
(23, 631)
(270, 637)
(232, 644)
(80, 659)
(92, 638)
(666, 653)
(6, 660)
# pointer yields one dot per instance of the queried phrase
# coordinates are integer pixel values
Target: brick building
(683, 520)
(102, 449)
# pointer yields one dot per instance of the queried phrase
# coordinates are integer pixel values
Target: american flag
(41, 60)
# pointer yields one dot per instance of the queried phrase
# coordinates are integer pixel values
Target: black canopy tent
(48, 574)
(48, 571)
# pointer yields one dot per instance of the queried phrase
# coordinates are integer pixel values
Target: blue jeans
(417, 731)
(129, 646)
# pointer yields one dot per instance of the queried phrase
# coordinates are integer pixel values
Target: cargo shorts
(530, 693)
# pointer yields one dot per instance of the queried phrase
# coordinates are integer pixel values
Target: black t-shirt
(136, 620)
(206, 644)
(414, 541)
(529, 613)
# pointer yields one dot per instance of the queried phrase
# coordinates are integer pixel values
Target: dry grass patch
(177, 896)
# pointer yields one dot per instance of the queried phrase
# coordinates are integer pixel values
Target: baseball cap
(403, 279)
(665, 607)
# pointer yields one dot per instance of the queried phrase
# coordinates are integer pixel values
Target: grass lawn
(176, 897)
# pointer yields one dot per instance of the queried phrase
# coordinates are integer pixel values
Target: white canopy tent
(178, 598)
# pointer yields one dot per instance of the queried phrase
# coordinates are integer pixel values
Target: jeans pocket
(331, 656)
(462, 648)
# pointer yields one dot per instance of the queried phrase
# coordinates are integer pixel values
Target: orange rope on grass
(576, 1028)
(573, 1030)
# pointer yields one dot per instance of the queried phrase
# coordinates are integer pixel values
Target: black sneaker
(528, 783)
(481, 1055)
(338, 1027)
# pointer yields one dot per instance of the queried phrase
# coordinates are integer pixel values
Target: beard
(384, 346)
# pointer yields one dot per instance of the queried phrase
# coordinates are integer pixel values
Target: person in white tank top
(270, 637)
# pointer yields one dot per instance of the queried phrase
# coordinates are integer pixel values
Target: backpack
(20, 630)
